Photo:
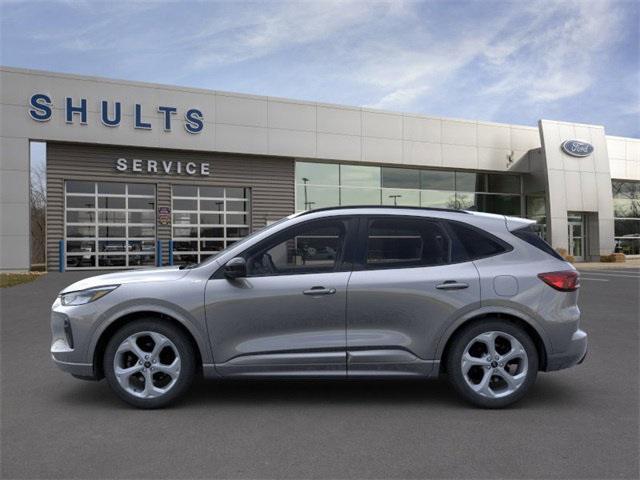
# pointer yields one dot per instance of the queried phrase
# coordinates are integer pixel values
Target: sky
(510, 62)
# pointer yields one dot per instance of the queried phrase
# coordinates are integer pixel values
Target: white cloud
(553, 56)
(278, 26)
(541, 51)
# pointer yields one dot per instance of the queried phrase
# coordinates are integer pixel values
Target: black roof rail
(399, 207)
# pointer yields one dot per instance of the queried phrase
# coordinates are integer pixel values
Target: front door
(403, 295)
(576, 235)
(287, 317)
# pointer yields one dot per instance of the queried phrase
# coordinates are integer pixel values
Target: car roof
(384, 207)
(480, 219)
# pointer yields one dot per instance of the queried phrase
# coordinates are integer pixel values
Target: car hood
(164, 274)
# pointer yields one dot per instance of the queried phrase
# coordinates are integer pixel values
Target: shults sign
(41, 110)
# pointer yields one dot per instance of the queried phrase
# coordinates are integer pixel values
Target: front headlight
(85, 296)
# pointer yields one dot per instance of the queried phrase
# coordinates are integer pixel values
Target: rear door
(407, 286)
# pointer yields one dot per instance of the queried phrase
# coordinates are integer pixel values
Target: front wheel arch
(105, 336)
(529, 330)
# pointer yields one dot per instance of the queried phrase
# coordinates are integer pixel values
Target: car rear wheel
(149, 363)
(492, 363)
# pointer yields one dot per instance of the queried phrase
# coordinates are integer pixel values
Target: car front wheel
(149, 363)
(492, 363)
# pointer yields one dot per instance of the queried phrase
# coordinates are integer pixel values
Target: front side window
(406, 242)
(311, 248)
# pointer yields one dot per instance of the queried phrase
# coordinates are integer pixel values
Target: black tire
(177, 337)
(454, 362)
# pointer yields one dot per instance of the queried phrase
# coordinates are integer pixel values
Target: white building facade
(142, 174)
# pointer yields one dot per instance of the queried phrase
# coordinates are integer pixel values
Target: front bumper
(573, 355)
(80, 370)
(67, 341)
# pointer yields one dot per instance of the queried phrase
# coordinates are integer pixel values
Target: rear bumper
(573, 355)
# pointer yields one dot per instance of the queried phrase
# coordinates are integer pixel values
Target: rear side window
(529, 235)
(477, 243)
(406, 242)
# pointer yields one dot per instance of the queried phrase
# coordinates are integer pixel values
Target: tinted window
(470, 182)
(500, 183)
(437, 180)
(476, 243)
(406, 242)
(311, 248)
(400, 178)
(529, 235)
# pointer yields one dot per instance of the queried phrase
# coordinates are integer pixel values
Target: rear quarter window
(529, 235)
(475, 243)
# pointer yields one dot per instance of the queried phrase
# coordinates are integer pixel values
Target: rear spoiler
(515, 223)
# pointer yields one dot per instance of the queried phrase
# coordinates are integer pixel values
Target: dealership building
(142, 174)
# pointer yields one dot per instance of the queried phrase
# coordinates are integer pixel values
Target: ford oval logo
(576, 148)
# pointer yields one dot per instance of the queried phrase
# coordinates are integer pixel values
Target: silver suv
(357, 292)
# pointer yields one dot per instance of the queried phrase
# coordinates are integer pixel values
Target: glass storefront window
(111, 188)
(627, 227)
(437, 180)
(535, 209)
(317, 173)
(626, 210)
(359, 176)
(628, 245)
(437, 199)
(501, 204)
(470, 182)
(626, 207)
(400, 178)
(309, 197)
(489, 203)
(74, 186)
(98, 225)
(536, 206)
(622, 189)
(465, 200)
(499, 183)
(359, 196)
(206, 220)
(326, 185)
(401, 196)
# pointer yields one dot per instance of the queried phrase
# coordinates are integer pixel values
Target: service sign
(162, 167)
(577, 148)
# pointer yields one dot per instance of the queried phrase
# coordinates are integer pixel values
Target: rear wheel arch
(529, 329)
(118, 323)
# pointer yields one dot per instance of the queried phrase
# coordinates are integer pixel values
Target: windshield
(239, 243)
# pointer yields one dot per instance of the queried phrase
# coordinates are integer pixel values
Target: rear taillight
(565, 281)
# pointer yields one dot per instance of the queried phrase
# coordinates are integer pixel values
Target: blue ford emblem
(576, 148)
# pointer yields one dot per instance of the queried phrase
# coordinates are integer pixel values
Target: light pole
(307, 203)
(395, 199)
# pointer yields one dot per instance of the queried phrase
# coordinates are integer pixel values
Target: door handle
(452, 285)
(319, 291)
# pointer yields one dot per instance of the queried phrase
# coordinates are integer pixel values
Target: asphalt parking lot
(578, 423)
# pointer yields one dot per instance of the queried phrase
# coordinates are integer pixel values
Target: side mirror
(235, 268)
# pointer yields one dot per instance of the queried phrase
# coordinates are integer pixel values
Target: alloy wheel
(494, 364)
(147, 364)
